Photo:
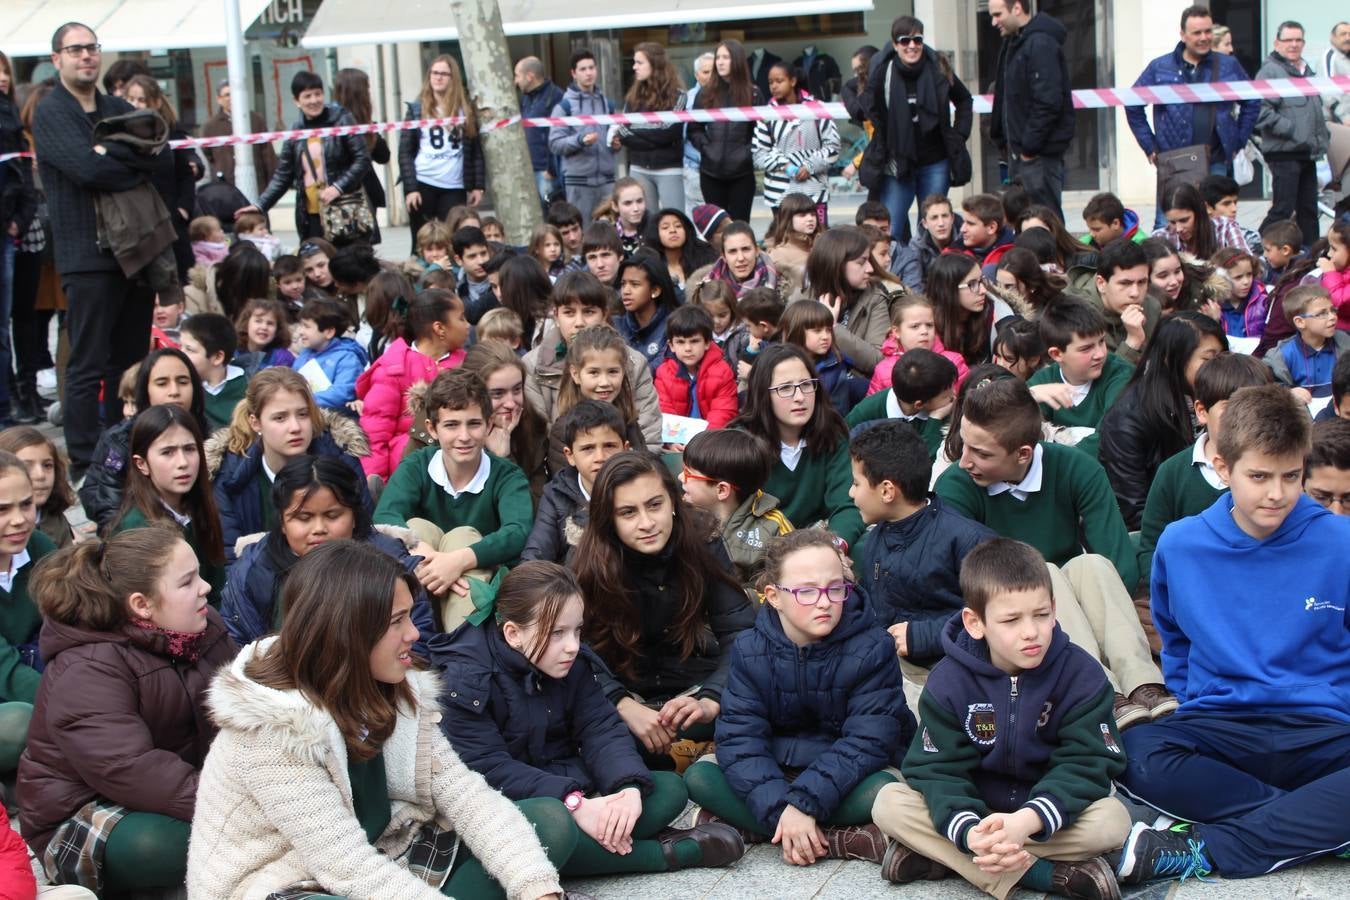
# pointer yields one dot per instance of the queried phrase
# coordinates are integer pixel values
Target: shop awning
(27, 26)
(341, 23)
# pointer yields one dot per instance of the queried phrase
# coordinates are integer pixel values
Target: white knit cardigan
(274, 802)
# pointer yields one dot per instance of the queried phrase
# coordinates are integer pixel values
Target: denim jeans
(899, 194)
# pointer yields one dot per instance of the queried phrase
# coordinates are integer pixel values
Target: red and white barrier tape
(1092, 98)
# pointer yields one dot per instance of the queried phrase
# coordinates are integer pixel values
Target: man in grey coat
(587, 154)
(1293, 135)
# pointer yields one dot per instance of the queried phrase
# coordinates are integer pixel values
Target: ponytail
(87, 585)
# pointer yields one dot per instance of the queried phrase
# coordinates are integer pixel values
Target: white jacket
(274, 803)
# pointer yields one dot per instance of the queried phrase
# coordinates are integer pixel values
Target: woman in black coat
(726, 169)
(917, 148)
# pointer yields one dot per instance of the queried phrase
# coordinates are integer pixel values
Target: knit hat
(706, 218)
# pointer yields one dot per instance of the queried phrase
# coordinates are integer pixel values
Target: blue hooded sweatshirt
(1256, 627)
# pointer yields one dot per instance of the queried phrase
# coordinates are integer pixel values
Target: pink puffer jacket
(383, 389)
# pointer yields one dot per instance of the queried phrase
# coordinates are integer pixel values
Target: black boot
(24, 409)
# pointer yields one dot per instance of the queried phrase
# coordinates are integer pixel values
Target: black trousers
(436, 204)
(735, 195)
(1293, 195)
(109, 318)
(30, 325)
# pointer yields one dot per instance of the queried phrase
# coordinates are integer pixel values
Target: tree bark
(488, 68)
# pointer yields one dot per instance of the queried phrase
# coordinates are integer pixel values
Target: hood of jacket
(972, 654)
(58, 637)
(341, 433)
(1046, 25)
(1218, 518)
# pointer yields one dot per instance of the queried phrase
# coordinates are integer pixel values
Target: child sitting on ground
(595, 371)
(592, 432)
(252, 227)
(1084, 378)
(292, 288)
(1107, 219)
(547, 248)
(210, 245)
(330, 362)
(760, 311)
(1262, 666)
(433, 251)
(1019, 348)
(1339, 407)
(210, 341)
(1305, 360)
(501, 324)
(921, 394)
(471, 253)
(1221, 202)
(809, 324)
(1040, 816)
(1280, 244)
(724, 474)
(167, 320)
(1245, 309)
(729, 332)
(912, 326)
(694, 380)
(264, 336)
(1327, 477)
(813, 716)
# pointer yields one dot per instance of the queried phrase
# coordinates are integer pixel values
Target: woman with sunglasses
(811, 475)
(813, 714)
(663, 606)
(918, 145)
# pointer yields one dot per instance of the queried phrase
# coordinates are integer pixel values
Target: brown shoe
(901, 865)
(720, 843)
(1155, 699)
(864, 842)
(705, 817)
(1091, 879)
(1129, 713)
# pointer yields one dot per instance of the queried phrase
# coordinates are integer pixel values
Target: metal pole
(240, 101)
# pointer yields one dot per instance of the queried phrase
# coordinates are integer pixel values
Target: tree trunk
(488, 68)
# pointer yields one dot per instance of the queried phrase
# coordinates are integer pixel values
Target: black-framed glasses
(908, 39)
(807, 387)
(810, 595)
(82, 49)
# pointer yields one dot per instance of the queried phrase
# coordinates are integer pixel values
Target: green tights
(14, 718)
(144, 851)
(709, 789)
(659, 809)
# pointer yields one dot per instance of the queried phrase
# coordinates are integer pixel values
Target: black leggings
(436, 204)
(735, 195)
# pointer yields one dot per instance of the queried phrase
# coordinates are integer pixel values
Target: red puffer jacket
(383, 389)
(117, 717)
(16, 875)
(715, 389)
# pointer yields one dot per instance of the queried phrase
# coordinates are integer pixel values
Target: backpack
(566, 106)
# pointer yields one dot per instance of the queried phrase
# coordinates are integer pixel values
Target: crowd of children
(968, 556)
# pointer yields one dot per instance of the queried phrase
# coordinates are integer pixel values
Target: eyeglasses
(909, 39)
(439, 74)
(1328, 500)
(810, 596)
(807, 387)
(1317, 315)
(690, 475)
(975, 286)
(1297, 40)
(82, 49)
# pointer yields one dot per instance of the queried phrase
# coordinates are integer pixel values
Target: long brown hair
(457, 102)
(199, 503)
(338, 599)
(154, 97)
(87, 585)
(737, 90)
(21, 437)
(351, 91)
(829, 255)
(661, 89)
(529, 442)
(596, 339)
(614, 629)
(534, 593)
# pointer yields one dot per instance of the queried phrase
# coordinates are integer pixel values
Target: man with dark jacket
(1293, 135)
(1033, 118)
(588, 157)
(222, 158)
(538, 96)
(108, 314)
(1178, 125)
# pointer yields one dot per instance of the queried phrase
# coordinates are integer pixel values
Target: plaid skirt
(430, 857)
(74, 855)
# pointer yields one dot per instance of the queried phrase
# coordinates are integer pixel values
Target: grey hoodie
(593, 165)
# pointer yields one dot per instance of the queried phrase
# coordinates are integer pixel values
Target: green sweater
(1104, 391)
(1179, 490)
(873, 408)
(19, 624)
(502, 511)
(220, 407)
(1074, 490)
(818, 489)
(213, 573)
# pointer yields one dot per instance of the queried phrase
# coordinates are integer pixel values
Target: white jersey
(440, 157)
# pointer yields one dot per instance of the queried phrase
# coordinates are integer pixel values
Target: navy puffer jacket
(834, 711)
(530, 735)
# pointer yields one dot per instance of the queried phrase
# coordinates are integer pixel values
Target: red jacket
(16, 875)
(383, 390)
(715, 387)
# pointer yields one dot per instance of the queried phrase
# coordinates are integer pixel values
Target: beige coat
(274, 803)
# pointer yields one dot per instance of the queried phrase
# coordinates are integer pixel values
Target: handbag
(1188, 164)
(347, 219)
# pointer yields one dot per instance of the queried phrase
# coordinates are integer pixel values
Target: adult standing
(1293, 135)
(440, 167)
(587, 152)
(351, 91)
(655, 152)
(538, 96)
(1336, 61)
(34, 257)
(1033, 118)
(726, 170)
(221, 159)
(1208, 125)
(693, 188)
(18, 206)
(851, 93)
(108, 314)
(918, 145)
(177, 187)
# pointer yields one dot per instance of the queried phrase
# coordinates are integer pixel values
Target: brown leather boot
(1091, 879)
(720, 843)
(901, 865)
(864, 842)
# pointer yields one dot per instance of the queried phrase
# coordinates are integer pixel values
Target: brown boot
(1091, 879)
(720, 844)
(864, 842)
(1155, 699)
(901, 865)
(1129, 713)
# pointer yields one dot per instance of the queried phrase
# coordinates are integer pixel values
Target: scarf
(185, 646)
(762, 276)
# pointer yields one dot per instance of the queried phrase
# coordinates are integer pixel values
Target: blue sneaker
(1150, 855)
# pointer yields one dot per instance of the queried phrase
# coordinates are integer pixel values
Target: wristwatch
(573, 801)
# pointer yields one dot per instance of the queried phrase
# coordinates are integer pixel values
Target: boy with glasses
(1305, 360)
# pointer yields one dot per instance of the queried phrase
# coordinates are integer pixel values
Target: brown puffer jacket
(116, 717)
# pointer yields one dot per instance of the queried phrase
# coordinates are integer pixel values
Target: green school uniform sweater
(1088, 414)
(1074, 490)
(212, 573)
(370, 794)
(220, 407)
(1179, 490)
(502, 511)
(818, 489)
(19, 624)
(873, 407)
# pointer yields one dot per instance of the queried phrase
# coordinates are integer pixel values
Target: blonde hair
(126, 385)
(261, 389)
(501, 324)
(456, 96)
